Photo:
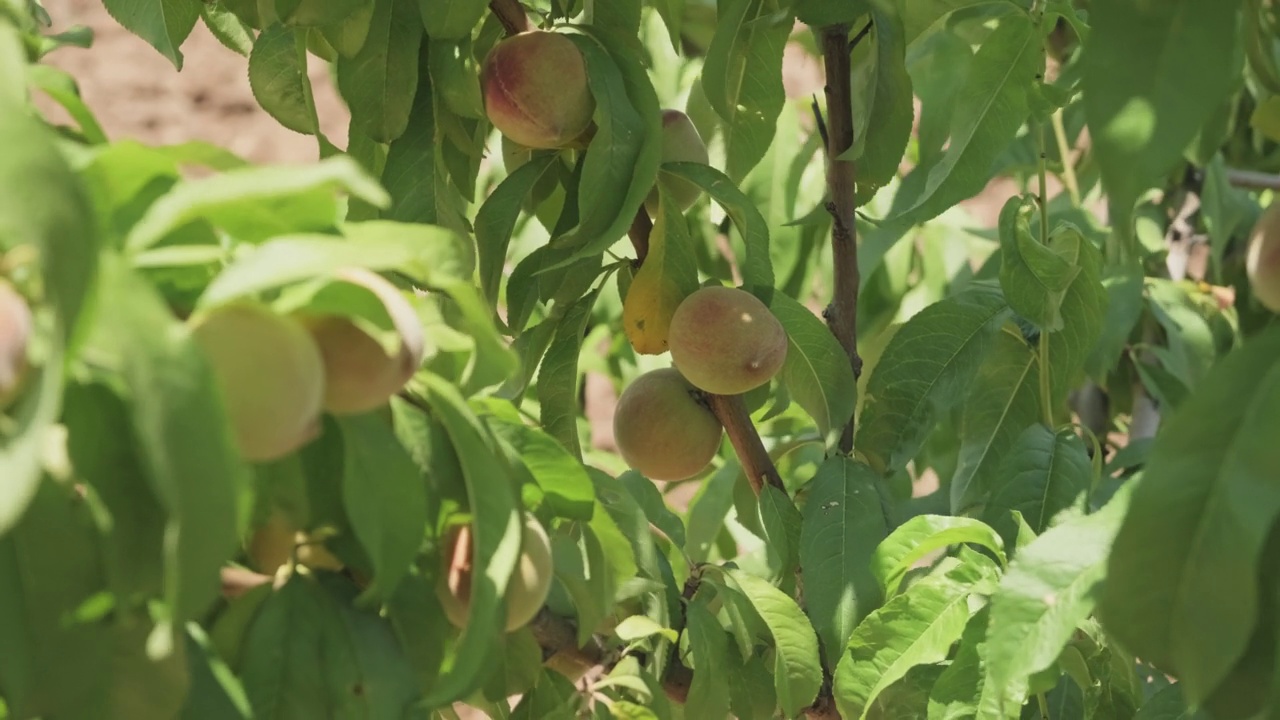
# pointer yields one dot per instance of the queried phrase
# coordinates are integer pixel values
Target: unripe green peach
(662, 431)
(15, 337)
(359, 374)
(725, 341)
(680, 143)
(527, 589)
(270, 373)
(535, 89)
(1263, 260)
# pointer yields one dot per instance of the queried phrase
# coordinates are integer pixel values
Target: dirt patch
(136, 92)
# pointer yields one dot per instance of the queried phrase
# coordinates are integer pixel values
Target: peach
(527, 589)
(535, 89)
(726, 341)
(680, 143)
(1262, 264)
(270, 374)
(662, 430)
(360, 375)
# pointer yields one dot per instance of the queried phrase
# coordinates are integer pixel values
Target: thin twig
(842, 314)
(511, 14)
(1253, 179)
(756, 463)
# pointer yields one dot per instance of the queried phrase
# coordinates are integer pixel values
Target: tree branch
(511, 14)
(842, 313)
(1253, 180)
(756, 463)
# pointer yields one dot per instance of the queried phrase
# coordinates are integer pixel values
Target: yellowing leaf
(667, 277)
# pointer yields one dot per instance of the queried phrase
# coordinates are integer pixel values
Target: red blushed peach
(535, 89)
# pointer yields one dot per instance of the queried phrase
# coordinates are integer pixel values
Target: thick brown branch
(639, 234)
(842, 314)
(756, 463)
(511, 14)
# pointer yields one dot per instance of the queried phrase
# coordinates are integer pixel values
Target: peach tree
(597, 372)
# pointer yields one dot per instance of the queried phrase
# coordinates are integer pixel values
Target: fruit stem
(511, 14)
(842, 313)
(756, 463)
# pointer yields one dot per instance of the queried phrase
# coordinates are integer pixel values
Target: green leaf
(256, 203)
(956, 692)
(1123, 285)
(1035, 276)
(1004, 399)
(925, 370)
(496, 219)
(49, 566)
(707, 511)
(568, 489)
(797, 669)
(380, 81)
(990, 108)
(318, 13)
(829, 12)
(384, 497)
(1155, 72)
(183, 435)
(215, 692)
(780, 522)
(278, 78)
(1084, 309)
(742, 78)
(816, 371)
(413, 172)
(914, 539)
(621, 162)
(708, 696)
(451, 20)
(1168, 704)
(62, 88)
(419, 623)
(433, 255)
(920, 16)
(230, 30)
(1050, 588)
(757, 268)
(844, 523)
(101, 448)
(553, 697)
(309, 653)
(1043, 474)
(580, 566)
(45, 208)
(558, 377)
(883, 113)
(917, 627)
(1197, 524)
(650, 500)
(496, 538)
(164, 24)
